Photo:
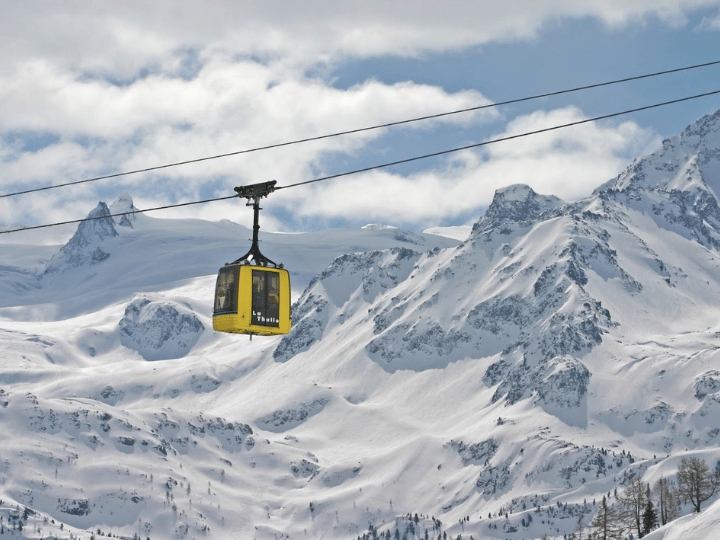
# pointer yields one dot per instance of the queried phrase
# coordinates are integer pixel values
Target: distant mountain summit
(124, 205)
(86, 245)
(517, 203)
(678, 186)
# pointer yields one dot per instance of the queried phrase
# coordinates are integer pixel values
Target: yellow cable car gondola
(252, 294)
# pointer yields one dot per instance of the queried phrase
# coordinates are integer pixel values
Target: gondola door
(265, 298)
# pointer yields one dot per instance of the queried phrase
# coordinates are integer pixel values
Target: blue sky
(87, 90)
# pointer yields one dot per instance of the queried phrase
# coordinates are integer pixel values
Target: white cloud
(568, 163)
(126, 36)
(228, 106)
(139, 84)
(244, 102)
(710, 23)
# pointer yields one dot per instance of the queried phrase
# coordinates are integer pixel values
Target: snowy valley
(493, 386)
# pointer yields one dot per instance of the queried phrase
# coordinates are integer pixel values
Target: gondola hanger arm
(253, 193)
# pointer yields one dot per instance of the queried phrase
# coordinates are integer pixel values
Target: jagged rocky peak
(679, 185)
(518, 203)
(686, 162)
(85, 245)
(703, 132)
(97, 226)
(123, 204)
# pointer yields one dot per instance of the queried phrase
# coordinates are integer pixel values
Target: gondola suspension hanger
(253, 194)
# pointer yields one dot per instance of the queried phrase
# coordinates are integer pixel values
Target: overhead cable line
(501, 139)
(132, 212)
(384, 165)
(360, 130)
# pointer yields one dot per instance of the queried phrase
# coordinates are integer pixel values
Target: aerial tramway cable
(360, 130)
(384, 165)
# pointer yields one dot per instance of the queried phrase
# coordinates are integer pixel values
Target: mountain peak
(123, 204)
(685, 162)
(84, 246)
(519, 192)
(679, 184)
(97, 226)
(702, 129)
(517, 203)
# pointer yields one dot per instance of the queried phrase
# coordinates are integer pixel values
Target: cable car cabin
(252, 300)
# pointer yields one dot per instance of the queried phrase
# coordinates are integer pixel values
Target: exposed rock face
(707, 384)
(561, 381)
(89, 245)
(351, 281)
(679, 184)
(75, 507)
(159, 329)
(474, 454)
(516, 204)
(291, 417)
(86, 246)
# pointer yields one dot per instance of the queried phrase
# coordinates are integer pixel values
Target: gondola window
(226, 291)
(265, 298)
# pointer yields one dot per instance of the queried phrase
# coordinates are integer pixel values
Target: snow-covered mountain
(500, 384)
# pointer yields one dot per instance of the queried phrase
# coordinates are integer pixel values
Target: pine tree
(650, 519)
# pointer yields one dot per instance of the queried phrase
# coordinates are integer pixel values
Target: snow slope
(499, 385)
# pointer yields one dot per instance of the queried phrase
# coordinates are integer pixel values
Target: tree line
(639, 509)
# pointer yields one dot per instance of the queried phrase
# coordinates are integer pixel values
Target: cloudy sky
(96, 88)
